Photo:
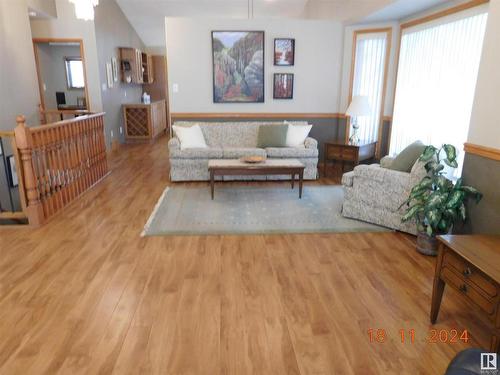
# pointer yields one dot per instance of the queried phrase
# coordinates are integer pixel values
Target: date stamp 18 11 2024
(410, 336)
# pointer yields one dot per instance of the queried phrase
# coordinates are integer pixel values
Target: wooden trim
(192, 115)
(444, 13)
(8, 215)
(485, 152)
(6, 134)
(384, 92)
(388, 32)
(37, 41)
(387, 118)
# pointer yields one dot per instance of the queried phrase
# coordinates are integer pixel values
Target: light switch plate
(175, 87)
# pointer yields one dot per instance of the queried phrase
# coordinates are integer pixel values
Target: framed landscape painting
(283, 86)
(238, 66)
(284, 51)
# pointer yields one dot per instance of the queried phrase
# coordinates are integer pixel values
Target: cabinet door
(138, 64)
(151, 71)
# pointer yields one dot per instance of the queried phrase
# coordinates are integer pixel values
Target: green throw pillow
(406, 158)
(272, 136)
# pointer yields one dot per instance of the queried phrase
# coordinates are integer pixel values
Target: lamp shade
(359, 106)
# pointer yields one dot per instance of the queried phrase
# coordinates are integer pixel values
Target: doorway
(62, 77)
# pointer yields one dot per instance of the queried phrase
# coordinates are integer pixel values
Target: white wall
(46, 8)
(485, 119)
(18, 88)
(317, 70)
(68, 26)
(347, 62)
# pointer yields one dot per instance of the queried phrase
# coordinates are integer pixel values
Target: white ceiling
(147, 16)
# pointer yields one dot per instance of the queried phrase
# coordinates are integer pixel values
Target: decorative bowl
(253, 159)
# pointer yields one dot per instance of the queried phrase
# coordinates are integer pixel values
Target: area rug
(251, 210)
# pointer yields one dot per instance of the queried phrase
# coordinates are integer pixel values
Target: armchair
(374, 193)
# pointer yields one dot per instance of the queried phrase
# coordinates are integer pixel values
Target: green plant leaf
(452, 163)
(451, 152)
(444, 225)
(472, 191)
(459, 182)
(429, 230)
(436, 199)
(433, 216)
(443, 183)
(455, 198)
(450, 213)
(428, 153)
(434, 167)
(463, 212)
(411, 212)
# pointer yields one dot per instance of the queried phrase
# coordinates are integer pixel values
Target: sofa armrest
(386, 161)
(174, 144)
(382, 175)
(310, 143)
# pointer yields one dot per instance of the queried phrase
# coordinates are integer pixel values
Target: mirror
(61, 74)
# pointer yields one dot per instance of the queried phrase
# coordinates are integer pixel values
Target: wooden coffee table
(236, 167)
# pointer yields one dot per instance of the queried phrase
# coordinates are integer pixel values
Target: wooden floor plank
(85, 294)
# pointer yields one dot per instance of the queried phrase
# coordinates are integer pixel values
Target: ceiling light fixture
(250, 9)
(84, 9)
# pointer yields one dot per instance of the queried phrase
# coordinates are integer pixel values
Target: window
(74, 73)
(371, 57)
(438, 67)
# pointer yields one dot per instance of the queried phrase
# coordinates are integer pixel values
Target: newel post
(24, 143)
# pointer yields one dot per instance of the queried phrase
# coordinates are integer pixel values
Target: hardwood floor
(85, 294)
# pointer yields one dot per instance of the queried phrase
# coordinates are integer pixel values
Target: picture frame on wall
(109, 74)
(12, 171)
(283, 86)
(114, 66)
(284, 51)
(238, 66)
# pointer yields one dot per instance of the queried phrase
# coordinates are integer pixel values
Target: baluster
(41, 164)
(24, 143)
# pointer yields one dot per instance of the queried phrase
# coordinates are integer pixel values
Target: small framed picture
(12, 171)
(114, 65)
(109, 75)
(284, 51)
(283, 86)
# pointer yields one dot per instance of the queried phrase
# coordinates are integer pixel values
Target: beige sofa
(233, 140)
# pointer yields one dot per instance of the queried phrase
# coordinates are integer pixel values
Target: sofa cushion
(296, 134)
(272, 136)
(197, 153)
(240, 152)
(406, 158)
(291, 152)
(190, 137)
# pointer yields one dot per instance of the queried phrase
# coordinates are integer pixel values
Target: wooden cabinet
(136, 66)
(336, 151)
(470, 264)
(144, 121)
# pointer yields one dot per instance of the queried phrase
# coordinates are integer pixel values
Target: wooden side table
(471, 265)
(338, 151)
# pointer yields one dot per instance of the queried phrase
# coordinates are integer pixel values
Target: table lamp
(360, 106)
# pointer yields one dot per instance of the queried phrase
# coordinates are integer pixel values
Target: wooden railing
(59, 162)
(49, 116)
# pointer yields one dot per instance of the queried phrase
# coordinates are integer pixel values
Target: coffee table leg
(301, 178)
(212, 183)
(293, 180)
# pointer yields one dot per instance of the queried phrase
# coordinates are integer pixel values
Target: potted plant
(437, 202)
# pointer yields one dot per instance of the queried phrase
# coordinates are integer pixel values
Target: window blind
(368, 80)
(436, 79)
